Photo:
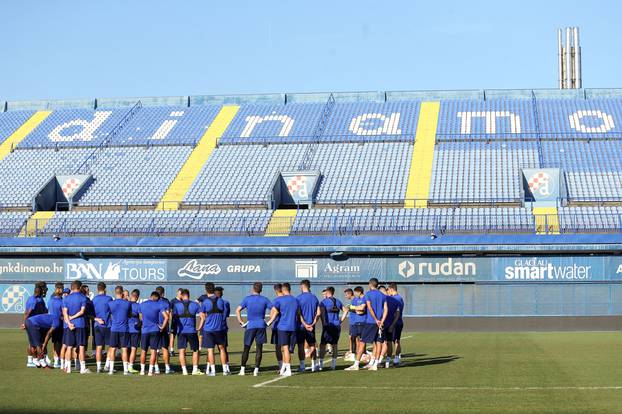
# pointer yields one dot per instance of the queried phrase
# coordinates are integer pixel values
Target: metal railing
(86, 165)
(343, 224)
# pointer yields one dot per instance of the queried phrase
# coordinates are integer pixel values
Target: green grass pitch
(575, 372)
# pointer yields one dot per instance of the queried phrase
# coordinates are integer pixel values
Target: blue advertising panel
(197, 270)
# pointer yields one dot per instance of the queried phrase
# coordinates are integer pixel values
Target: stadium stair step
(176, 192)
(281, 222)
(420, 175)
(22, 132)
(546, 219)
(36, 223)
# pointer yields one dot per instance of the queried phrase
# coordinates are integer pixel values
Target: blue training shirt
(187, 324)
(377, 300)
(288, 308)
(213, 321)
(55, 308)
(36, 306)
(308, 307)
(226, 314)
(355, 317)
(328, 308)
(102, 311)
(151, 310)
(256, 307)
(120, 310)
(134, 321)
(400, 321)
(392, 306)
(43, 321)
(73, 303)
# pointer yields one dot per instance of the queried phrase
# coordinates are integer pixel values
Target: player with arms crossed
(152, 311)
(101, 332)
(256, 306)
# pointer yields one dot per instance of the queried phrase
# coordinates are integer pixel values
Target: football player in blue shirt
(134, 329)
(164, 338)
(39, 327)
(376, 307)
(212, 313)
(174, 327)
(219, 292)
(120, 310)
(310, 314)
(348, 294)
(274, 335)
(287, 309)
(397, 332)
(74, 336)
(330, 308)
(154, 316)
(55, 308)
(35, 305)
(101, 332)
(256, 306)
(185, 313)
(90, 318)
(393, 313)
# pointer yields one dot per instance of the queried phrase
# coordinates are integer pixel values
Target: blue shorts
(101, 335)
(397, 332)
(164, 339)
(356, 330)
(287, 338)
(302, 336)
(185, 339)
(57, 336)
(256, 334)
(119, 339)
(274, 336)
(369, 334)
(330, 334)
(75, 338)
(211, 339)
(150, 340)
(35, 334)
(134, 340)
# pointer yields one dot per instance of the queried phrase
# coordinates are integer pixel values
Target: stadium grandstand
(497, 192)
(475, 162)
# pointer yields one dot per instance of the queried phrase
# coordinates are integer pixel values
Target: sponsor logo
(542, 269)
(448, 268)
(22, 268)
(244, 269)
(14, 299)
(339, 269)
(194, 270)
(306, 269)
(406, 269)
(124, 269)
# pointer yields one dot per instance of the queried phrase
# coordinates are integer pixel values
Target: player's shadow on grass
(409, 361)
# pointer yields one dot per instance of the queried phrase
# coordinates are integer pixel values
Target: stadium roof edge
(311, 97)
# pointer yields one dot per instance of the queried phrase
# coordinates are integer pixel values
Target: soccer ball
(366, 357)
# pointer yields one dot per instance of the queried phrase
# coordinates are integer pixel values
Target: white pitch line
(588, 388)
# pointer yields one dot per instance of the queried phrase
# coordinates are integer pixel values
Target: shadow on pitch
(408, 361)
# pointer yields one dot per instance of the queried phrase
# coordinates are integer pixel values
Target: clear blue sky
(86, 49)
